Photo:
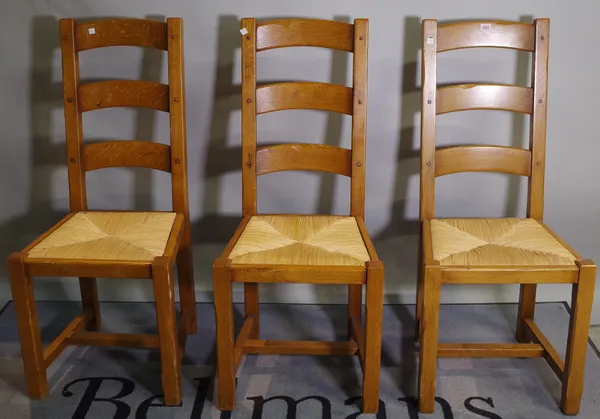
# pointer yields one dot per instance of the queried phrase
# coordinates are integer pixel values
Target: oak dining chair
(315, 249)
(114, 244)
(521, 251)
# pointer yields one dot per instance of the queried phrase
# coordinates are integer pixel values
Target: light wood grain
(304, 33)
(164, 296)
(249, 110)
(121, 32)
(490, 350)
(299, 347)
(557, 364)
(60, 343)
(127, 153)
(577, 344)
(464, 97)
(514, 35)
(510, 160)
(315, 157)
(359, 117)
(114, 339)
(123, 93)
(428, 113)
(537, 125)
(304, 95)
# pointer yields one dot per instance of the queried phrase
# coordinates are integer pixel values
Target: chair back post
(73, 122)
(537, 136)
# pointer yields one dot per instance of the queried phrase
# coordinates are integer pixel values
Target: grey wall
(33, 181)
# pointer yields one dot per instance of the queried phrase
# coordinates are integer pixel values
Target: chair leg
(373, 331)
(29, 330)
(187, 292)
(251, 306)
(419, 302)
(225, 343)
(164, 295)
(354, 305)
(526, 311)
(581, 310)
(90, 303)
(429, 339)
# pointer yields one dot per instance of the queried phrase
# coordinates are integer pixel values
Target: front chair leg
(225, 343)
(29, 330)
(373, 331)
(577, 344)
(429, 339)
(164, 295)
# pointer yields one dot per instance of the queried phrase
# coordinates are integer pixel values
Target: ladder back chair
(494, 250)
(114, 244)
(316, 249)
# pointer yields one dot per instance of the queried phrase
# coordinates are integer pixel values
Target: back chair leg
(581, 310)
(90, 303)
(164, 295)
(429, 339)
(187, 293)
(419, 302)
(29, 331)
(251, 307)
(354, 305)
(373, 331)
(225, 343)
(526, 311)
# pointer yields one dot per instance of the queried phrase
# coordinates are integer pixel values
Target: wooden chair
(319, 249)
(89, 244)
(495, 251)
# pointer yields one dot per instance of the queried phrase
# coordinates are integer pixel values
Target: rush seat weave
(301, 240)
(496, 241)
(139, 236)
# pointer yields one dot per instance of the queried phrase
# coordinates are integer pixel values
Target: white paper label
(486, 27)
(243, 31)
(430, 40)
(91, 31)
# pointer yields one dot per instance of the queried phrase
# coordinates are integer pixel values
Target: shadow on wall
(214, 227)
(47, 156)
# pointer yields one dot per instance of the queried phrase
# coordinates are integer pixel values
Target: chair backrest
(527, 100)
(80, 98)
(304, 95)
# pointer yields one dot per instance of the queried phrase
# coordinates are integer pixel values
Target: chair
(317, 249)
(495, 251)
(114, 244)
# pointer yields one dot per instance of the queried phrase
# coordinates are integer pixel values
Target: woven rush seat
(496, 241)
(300, 240)
(139, 236)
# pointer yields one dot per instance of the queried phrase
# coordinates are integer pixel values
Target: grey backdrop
(33, 181)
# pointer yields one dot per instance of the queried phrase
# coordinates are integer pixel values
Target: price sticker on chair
(91, 31)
